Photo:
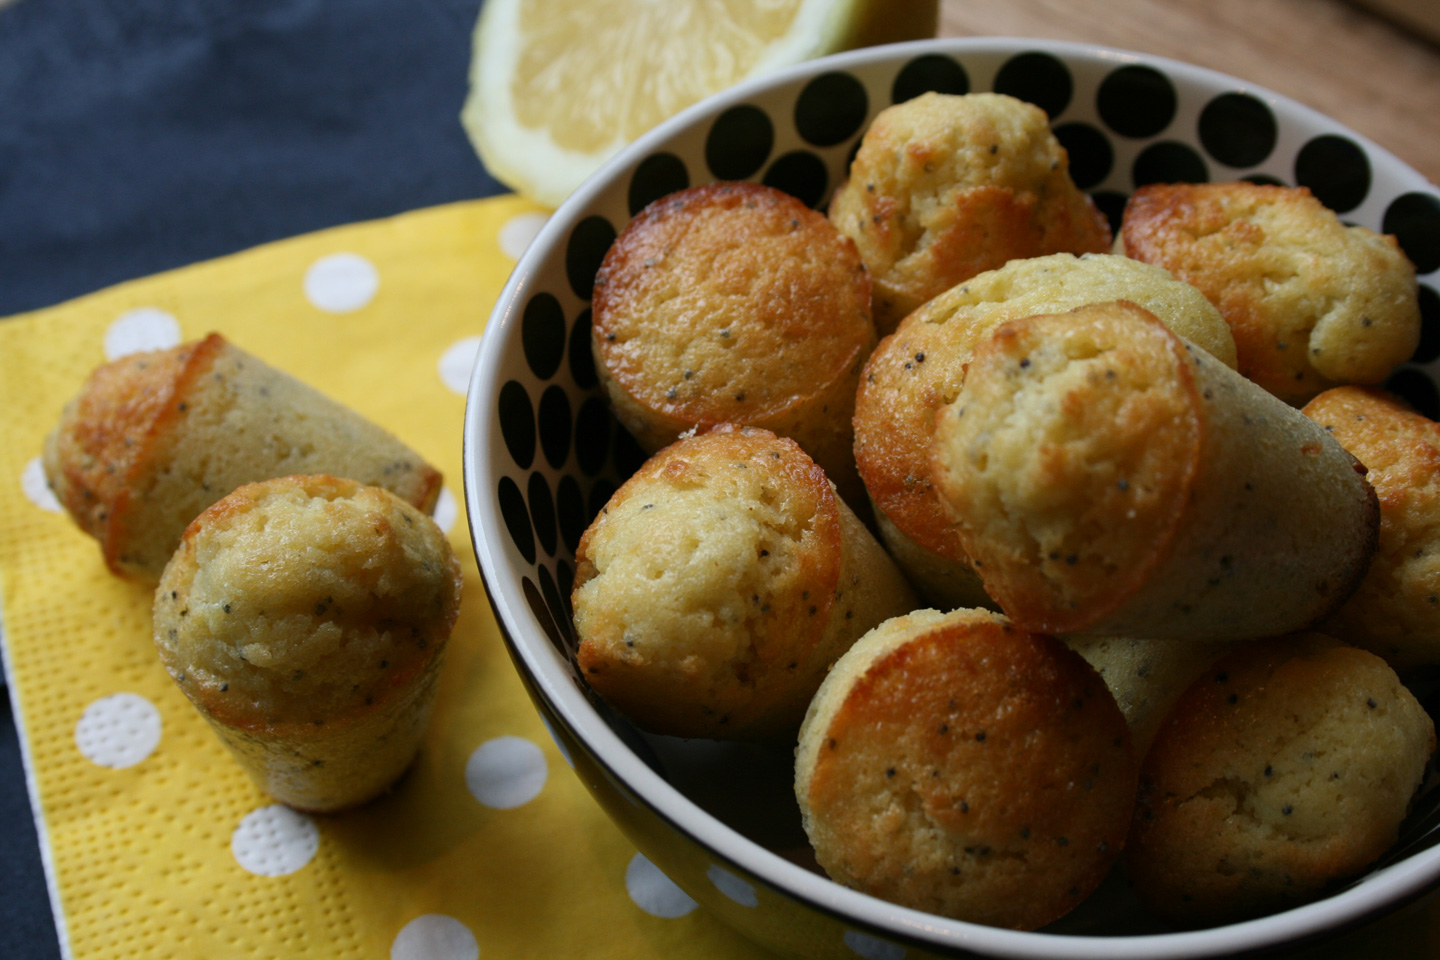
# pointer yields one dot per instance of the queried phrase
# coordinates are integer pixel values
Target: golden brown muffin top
(706, 582)
(1396, 612)
(1288, 764)
(1312, 303)
(728, 301)
(1084, 425)
(957, 764)
(920, 367)
(944, 187)
(305, 600)
(119, 410)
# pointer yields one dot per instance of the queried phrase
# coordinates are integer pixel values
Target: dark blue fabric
(141, 135)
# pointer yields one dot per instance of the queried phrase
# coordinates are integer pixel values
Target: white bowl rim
(1400, 883)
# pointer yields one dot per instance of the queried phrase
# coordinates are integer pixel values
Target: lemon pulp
(557, 86)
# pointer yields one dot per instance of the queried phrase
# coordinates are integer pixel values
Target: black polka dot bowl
(542, 455)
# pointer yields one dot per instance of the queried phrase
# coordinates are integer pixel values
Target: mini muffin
(306, 618)
(735, 302)
(1396, 611)
(1287, 766)
(956, 764)
(1108, 478)
(720, 582)
(944, 187)
(920, 367)
(1146, 677)
(154, 438)
(1312, 303)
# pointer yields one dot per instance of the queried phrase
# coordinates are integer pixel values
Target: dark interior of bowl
(1124, 122)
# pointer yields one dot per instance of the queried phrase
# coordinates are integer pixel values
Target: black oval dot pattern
(1038, 78)
(739, 143)
(542, 335)
(1336, 170)
(1414, 219)
(558, 605)
(933, 73)
(657, 175)
(1235, 130)
(570, 511)
(1238, 129)
(1429, 347)
(1091, 156)
(517, 423)
(582, 358)
(1137, 101)
(801, 174)
(831, 109)
(516, 517)
(554, 422)
(588, 244)
(592, 436)
(1169, 161)
(542, 512)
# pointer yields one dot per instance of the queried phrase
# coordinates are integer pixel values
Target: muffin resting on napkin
(305, 617)
(154, 438)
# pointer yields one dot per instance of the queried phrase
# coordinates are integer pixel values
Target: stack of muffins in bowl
(1058, 661)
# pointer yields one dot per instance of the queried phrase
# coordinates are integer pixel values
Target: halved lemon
(558, 86)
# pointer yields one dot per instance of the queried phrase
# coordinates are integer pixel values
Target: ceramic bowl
(542, 455)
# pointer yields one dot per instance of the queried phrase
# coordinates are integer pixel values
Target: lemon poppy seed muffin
(1108, 478)
(920, 367)
(956, 764)
(944, 187)
(720, 582)
(154, 438)
(1396, 611)
(735, 303)
(1287, 766)
(306, 618)
(1312, 303)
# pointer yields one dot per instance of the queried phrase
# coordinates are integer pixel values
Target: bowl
(542, 455)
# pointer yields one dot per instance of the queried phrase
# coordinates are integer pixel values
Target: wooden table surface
(1379, 79)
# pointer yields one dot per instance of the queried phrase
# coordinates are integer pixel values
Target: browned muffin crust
(155, 438)
(956, 764)
(1312, 303)
(1286, 766)
(306, 618)
(945, 187)
(88, 458)
(734, 302)
(1108, 478)
(1396, 611)
(720, 582)
(920, 367)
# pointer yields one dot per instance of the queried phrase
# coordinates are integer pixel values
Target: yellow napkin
(158, 845)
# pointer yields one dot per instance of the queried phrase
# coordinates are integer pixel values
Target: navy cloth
(141, 135)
